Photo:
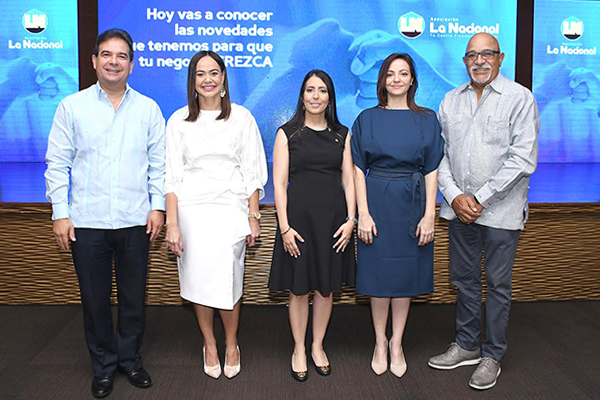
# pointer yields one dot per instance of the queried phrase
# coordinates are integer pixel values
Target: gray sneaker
(455, 357)
(486, 374)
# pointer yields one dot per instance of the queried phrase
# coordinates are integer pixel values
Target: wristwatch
(254, 215)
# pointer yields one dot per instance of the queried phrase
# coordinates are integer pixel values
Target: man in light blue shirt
(108, 142)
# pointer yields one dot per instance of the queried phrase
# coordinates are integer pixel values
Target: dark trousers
(467, 243)
(93, 254)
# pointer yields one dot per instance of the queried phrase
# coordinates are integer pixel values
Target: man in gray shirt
(490, 126)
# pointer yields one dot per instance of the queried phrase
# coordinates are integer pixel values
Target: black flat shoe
(323, 371)
(301, 376)
(139, 378)
(102, 386)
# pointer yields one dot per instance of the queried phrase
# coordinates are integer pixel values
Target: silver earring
(223, 92)
(196, 96)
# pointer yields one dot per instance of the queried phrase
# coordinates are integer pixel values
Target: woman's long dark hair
(193, 106)
(297, 121)
(382, 93)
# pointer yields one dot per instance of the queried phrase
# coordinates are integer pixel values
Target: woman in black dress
(315, 201)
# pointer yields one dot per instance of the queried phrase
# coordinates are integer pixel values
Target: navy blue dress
(396, 149)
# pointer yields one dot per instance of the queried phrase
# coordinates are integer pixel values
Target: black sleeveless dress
(316, 208)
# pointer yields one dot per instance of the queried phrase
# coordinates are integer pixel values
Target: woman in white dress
(216, 171)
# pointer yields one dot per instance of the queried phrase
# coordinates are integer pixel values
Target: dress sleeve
(358, 154)
(253, 160)
(434, 151)
(175, 163)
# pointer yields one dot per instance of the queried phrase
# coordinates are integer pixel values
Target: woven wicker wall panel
(556, 260)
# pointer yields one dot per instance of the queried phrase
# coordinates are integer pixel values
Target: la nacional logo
(411, 25)
(35, 21)
(572, 28)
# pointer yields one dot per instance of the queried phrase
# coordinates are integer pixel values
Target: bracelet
(286, 231)
(353, 219)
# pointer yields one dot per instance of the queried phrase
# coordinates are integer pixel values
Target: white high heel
(231, 371)
(214, 371)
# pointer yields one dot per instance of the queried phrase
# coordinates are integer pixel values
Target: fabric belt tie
(418, 187)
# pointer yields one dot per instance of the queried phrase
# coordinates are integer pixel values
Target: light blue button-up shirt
(114, 160)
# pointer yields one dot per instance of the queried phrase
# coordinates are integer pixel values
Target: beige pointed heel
(231, 371)
(378, 368)
(214, 371)
(398, 370)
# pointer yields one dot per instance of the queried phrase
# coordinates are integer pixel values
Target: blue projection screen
(269, 46)
(566, 80)
(39, 66)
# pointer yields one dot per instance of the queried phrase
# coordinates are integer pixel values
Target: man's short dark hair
(111, 34)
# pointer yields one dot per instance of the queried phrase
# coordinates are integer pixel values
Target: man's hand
(63, 231)
(156, 219)
(466, 208)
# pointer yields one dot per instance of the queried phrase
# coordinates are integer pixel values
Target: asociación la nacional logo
(572, 28)
(411, 25)
(35, 21)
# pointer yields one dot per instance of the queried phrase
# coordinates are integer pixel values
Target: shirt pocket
(91, 141)
(90, 135)
(497, 133)
(455, 130)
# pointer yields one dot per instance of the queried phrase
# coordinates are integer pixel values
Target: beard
(484, 79)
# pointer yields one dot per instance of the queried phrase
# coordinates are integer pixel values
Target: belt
(418, 188)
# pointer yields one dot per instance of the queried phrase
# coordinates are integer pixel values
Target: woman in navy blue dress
(396, 147)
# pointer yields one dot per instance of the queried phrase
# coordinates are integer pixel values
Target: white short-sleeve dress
(213, 166)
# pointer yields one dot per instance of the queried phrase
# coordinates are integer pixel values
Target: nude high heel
(231, 371)
(214, 371)
(378, 368)
(398, 370)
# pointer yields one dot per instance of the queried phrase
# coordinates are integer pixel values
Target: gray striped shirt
(491, 149)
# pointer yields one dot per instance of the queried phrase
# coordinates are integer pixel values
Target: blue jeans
(468, 242)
